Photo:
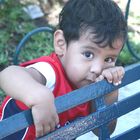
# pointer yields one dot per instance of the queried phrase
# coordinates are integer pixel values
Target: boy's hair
(103, 17)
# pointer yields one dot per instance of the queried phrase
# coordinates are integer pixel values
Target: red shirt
(62, 87)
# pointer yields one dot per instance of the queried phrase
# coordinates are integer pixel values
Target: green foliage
(38, 45)
(14, 25)
(126, 57)
(2, 95)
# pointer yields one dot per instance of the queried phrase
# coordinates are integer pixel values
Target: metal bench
(99, 119)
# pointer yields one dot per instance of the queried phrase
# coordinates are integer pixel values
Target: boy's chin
(84, 83)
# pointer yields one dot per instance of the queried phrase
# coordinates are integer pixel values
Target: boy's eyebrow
(89, 47)
(114, 56)
(94, 48)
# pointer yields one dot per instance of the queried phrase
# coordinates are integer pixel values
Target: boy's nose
(97, 67)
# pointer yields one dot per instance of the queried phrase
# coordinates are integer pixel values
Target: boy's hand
(27, 86)
(113, 75)
(44, 115)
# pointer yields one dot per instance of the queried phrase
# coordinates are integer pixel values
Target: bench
(97, 91)
(99, 119)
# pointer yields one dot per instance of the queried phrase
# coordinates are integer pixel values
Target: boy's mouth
(91, 78)
(88, 81)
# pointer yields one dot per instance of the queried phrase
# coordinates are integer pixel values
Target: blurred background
(19, 17)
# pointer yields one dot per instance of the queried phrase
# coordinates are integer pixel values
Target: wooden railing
(99, 119)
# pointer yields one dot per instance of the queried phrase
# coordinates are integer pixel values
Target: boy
(87, 43)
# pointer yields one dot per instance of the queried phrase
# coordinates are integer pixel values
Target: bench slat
(15, 123)
(103, 130)
(95, 90)
(70, 100)
(132, 134)
(94, 120)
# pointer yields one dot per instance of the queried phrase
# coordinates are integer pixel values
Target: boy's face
(84, 61)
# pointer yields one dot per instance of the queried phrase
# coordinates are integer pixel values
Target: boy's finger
(108, 75)
(56, 120)
(120, 73)
(52, 126)
(100, 78)
(39, 130)
(115, 75)
(46, 129)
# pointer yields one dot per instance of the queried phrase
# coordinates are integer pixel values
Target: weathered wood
(95, 120)
(75, 98)
(95, 90)
(132, 134)
(15, 123)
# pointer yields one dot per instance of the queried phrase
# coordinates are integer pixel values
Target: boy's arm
(27, 86)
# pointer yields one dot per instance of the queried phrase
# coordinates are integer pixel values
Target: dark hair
(103, 17)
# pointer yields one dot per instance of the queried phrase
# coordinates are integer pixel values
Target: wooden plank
(132, 134)
(70, 100)
(15, 123)
(95, 90)
(95, 120)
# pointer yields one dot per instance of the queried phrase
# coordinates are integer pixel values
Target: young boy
(89, 38)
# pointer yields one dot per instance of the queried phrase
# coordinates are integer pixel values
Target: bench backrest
(99, 119)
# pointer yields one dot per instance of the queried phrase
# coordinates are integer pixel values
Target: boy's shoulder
(52, 58)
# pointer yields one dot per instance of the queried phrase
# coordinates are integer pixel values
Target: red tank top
(62, 86)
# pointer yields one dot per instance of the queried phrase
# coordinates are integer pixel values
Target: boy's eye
(109, 60)
(88, 55)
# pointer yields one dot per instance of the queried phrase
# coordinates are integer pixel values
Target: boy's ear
(60, 44)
